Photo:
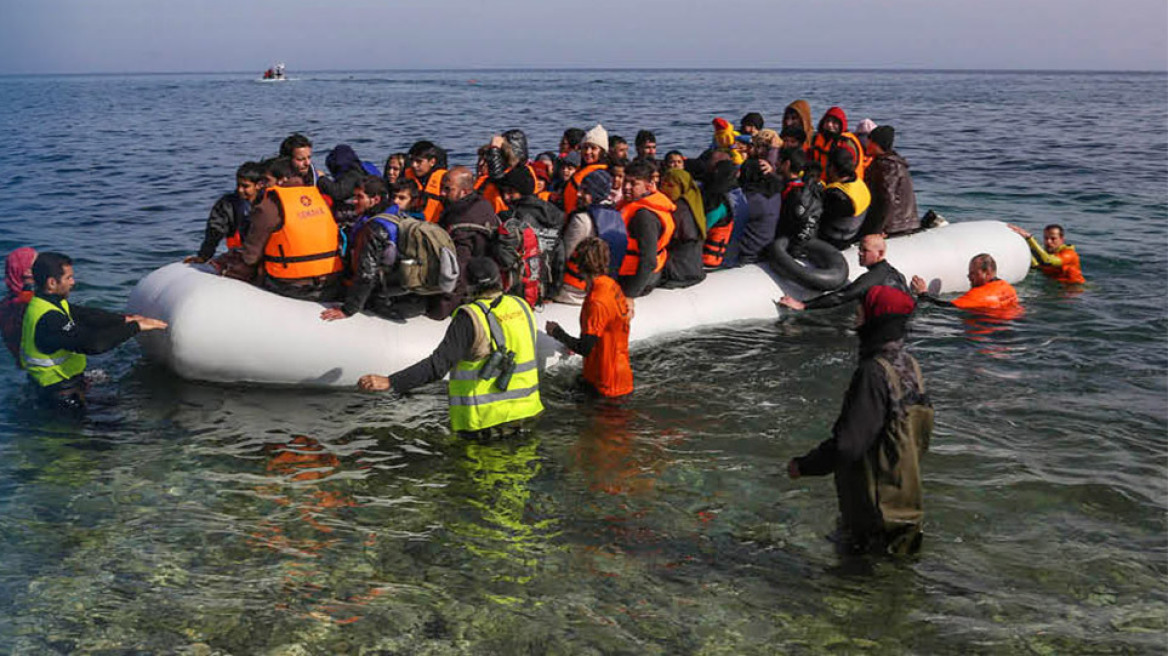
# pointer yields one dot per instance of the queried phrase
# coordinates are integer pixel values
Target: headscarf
(678, 183)
(804, 110)
(19, 263)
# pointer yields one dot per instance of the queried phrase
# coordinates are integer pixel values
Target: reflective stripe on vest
(572, 189)
(46, 368)
(656, 203)
(308, 243)
(431, 193)
(477, 403)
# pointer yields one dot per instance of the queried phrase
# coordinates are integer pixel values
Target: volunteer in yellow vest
(648, 218)
(489, 352)
(1058, 259)
(56, 337)
(845, 201)
(427, 168)
(593, 155)
(296, 240)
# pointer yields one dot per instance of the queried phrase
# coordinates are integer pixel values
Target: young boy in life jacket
(230, 215)
(1058, 259)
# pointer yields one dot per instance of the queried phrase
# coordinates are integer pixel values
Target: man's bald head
(871, 251)
(457, 184)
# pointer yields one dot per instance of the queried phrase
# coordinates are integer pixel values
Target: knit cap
(597, 184)
(597, 136)
(883, 136)
(865, 127)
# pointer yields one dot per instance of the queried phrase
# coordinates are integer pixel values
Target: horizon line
(606, 69)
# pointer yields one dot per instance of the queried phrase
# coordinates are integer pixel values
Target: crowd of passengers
(351, 234)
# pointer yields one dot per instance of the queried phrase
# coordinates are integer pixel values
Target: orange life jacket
(1070, 272)
(308, 243)
(717, 240)
(572, 189)
(659, 204)
(431, 193)
(822, 145)
(490, 191)
(996, 294)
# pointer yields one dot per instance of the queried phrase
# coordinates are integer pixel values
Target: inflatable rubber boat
(224, 330)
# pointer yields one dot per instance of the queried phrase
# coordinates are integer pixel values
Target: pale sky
(111, 36)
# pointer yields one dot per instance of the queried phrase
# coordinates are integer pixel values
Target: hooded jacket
(894, 203)
(804, 111)
(346, 170)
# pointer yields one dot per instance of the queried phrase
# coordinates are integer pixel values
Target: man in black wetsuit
(57, 336)
(880, 272)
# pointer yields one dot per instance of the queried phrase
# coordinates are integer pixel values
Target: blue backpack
(610, 227)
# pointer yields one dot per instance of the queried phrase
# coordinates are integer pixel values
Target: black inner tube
(827, 271)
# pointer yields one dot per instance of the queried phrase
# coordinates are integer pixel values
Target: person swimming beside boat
(489, 352)
(19, 281)
(880, 272)
(231, 215)
(56, 336)
(1058, 259)
(987, 291)
(604, 325)
(298, 259)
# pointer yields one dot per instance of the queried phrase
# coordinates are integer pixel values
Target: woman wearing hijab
(18, 279)
(684, 266)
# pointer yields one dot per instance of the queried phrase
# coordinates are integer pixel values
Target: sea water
(183, 517)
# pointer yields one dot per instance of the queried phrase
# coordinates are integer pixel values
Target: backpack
(426, 259)
(515, 248)
(610, 227)
(551, 247)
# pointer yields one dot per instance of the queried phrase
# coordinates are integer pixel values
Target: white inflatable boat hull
(223, 330)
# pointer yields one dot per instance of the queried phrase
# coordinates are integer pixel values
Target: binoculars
(500, 365)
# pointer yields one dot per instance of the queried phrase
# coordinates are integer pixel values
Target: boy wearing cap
(882, 431)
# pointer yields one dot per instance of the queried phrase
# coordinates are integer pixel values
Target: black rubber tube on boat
(827, 271)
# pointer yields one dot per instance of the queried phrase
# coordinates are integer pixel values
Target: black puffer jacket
(802, 207)
(894, 203)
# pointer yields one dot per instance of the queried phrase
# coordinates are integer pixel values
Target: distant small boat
(274, 74)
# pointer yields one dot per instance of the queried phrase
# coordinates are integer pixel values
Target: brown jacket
(894, 204)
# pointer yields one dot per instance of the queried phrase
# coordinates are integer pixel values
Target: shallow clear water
(192, 518)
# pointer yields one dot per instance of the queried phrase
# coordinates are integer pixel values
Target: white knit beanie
(597, 136)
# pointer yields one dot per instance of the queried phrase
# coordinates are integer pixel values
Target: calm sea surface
(201, 519)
